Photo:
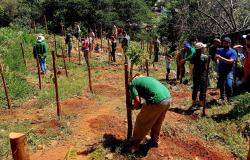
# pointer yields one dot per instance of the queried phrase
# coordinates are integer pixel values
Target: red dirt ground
(97, 119)
(99, 116)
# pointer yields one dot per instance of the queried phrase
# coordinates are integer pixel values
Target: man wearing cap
(190, 51)
(226, 57)
(214, 47)
(152, 114)
(200, 60)
(40, 49)
(246, 77)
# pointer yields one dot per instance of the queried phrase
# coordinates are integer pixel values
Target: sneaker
(153, 143)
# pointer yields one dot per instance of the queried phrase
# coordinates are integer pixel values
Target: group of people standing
(225, 61)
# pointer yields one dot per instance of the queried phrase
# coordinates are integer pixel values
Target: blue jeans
(225, 83)
(43, 65)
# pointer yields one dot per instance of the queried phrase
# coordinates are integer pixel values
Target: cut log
(19, 146)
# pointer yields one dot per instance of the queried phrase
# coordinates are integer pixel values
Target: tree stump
(19, 146)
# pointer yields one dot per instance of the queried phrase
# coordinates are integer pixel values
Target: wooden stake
(24, 61)
(64, 61)
(89, 74)
(38, 72)
(147, 67)
(46, 24)
(101, 36)
(34, 26)
(19, 146)
(248, 157)
(128, 101)
(79, 49)
(5, 87)
(205, 87)
(56, 86)
(55, 44)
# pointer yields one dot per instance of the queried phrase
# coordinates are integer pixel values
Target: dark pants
(225, 83)
(180, 71)
(156, 58)
(113, 55)
(198, 85)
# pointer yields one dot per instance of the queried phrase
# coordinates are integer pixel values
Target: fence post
(24, 61)
(38, 72)
(205, 87)
(128, 101)
(5, 87)
(64, 61)
(79, 49)
(46, 24)
(147, 67)
(56, 86)
(19, 146)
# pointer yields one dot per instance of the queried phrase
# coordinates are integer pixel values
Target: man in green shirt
(152, 114)
(190, 51)
(40, 49)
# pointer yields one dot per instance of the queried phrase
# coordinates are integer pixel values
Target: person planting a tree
(152, 114)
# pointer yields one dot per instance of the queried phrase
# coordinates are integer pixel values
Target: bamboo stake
(64, 61)
(205, 87)
(56, 86)
(38, 72)
(5, 87)
(46, 24)
(24, 61)
(19, 146)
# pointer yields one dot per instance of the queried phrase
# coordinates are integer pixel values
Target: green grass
(34, 139)
(14, 68)
(228, 125)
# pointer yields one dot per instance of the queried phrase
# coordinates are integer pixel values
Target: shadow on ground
(118, 146)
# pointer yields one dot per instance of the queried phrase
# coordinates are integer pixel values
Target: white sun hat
(40, 38)
(200, 45)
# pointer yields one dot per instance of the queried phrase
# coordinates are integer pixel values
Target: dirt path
(104, 116)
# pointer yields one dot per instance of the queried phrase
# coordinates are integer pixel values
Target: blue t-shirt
(228, 54)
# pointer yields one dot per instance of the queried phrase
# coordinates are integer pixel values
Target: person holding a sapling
(199, 73)
(40, 50)
(152, 114)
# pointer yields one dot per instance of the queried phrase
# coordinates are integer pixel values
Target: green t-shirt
(150, 89)
(40, 49)
(190, 54)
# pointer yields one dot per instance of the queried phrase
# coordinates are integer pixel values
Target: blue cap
(187, 45)
(227, 39)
